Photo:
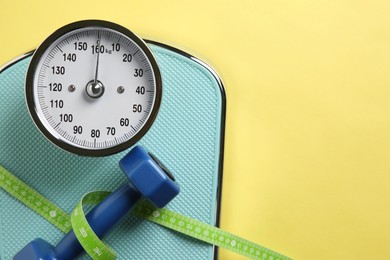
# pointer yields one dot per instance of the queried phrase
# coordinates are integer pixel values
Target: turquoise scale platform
(187, 136)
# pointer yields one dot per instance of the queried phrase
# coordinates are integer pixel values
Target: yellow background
(307, 169)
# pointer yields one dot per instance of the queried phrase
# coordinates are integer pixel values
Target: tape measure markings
(165, 217)
(204, 232)
(91, 243)
(34, 200)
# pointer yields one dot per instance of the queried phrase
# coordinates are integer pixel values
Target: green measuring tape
(97, 249)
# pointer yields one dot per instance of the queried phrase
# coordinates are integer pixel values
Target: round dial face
(93, 88)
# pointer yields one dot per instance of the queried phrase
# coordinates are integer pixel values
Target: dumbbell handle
(101, 219)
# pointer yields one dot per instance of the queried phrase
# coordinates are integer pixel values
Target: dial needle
(97, 60)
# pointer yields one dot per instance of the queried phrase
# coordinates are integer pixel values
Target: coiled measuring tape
(97, 249)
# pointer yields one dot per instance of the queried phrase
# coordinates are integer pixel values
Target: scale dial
(93, 88)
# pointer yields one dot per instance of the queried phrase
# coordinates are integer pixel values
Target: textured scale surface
(185, 137)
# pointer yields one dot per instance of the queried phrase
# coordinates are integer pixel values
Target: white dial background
(77, 119)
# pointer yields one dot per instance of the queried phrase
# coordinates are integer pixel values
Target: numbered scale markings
(93, 88)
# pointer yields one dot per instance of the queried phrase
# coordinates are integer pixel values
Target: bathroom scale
(187, 135)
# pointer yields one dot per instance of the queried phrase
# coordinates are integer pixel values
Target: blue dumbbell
(148, 178)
